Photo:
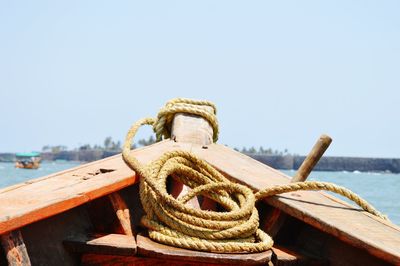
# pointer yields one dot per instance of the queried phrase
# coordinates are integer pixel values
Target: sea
(379, 189)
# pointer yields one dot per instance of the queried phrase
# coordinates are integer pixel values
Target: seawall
(332, 163)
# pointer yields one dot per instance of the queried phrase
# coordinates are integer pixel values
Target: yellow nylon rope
(172, 222)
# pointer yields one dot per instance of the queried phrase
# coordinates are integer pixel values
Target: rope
(162, 126)
(172, 222)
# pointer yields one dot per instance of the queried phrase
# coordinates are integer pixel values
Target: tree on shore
(107, 143)
(262, 150)
(54, 149)
(110, 145)
(144, 142)
(85, 147)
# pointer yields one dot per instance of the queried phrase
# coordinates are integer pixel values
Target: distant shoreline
(332, 163)
(285, 162)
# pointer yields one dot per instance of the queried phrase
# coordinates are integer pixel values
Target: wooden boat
(29, 160)
(90, 215)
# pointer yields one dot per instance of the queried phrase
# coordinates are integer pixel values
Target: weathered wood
(106, 260)
(192, 129)
(312, 158)
(195, 130)
(44, 197)
(24, 204)
(313, 243)
(320, 210)
(148, 248)
(15, 249)
(43, 239)
(111, 244)
(102, 216)
(287, 257)
(122, 212)
(276, 217)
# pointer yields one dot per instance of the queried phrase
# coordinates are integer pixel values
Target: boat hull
(78, 203)
(27, 165)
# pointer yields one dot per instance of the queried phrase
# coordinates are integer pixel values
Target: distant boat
(27, 160)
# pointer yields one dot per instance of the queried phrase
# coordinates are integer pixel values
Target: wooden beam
(15, 249)
(286, 257)
(149, 248)
(112, 244)
(112, 260)
(122, 212)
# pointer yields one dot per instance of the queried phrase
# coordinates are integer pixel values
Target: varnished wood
(15, 249)
(288, 257)
(312, 158)
(111, 244)
(40, 198)
(107, 260)
(122, 212)
(149, 248)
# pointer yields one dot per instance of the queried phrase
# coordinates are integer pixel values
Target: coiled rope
(172, 222)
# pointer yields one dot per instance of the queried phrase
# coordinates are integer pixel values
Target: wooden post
(196, 130)
(122, 212)
(276, 217)
(312, 158)
(192, 129)
(15, 248)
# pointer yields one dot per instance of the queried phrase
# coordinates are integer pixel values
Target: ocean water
(380, 189)
(9, 175)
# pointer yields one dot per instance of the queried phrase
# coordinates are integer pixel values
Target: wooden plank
(38, 199)
(317, 244)
(43, 239)
(107, 260)
(149, 248)
(111, 244)
(15, 249)
(322, 211)
(122, 212)
(288, 257)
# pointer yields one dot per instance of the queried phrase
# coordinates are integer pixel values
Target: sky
(280, 72)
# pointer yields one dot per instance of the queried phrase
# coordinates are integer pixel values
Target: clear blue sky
(280, 72)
